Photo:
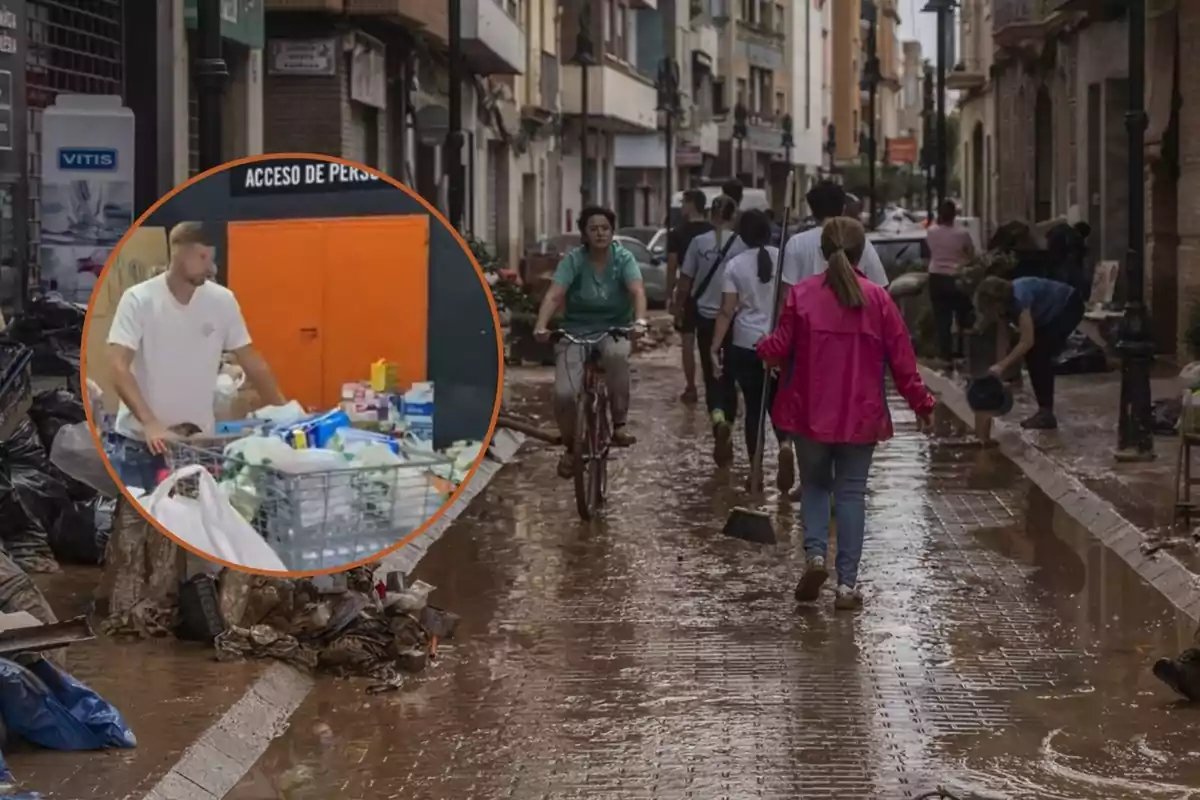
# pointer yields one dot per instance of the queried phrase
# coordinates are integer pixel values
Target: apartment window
(780, 105)
(513, 8)
(747, 5)
(741, 91)
(761, 90)
(606, 26)
(623, 33)
(780, 18)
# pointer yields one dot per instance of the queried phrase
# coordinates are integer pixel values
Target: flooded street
(1001, 650)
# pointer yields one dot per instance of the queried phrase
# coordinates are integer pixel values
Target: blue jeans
(836, 472)
(135, 465)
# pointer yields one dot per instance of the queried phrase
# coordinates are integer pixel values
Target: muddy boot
(566, 465)
(814, 577)
(847, 599)
(621, 437)
(786, 478)
(723, 440)
(690, 396)
(1182, 675)
(1043, 420)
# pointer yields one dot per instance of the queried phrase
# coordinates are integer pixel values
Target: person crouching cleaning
(165, 349)
(746, 309)
(1046, 313)
(837, 337)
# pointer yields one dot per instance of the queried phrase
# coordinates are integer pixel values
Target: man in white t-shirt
(165, 347)
(802, 255)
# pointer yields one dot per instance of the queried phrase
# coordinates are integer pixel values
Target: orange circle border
(437, 215)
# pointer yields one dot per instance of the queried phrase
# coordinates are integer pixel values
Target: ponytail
(765, 270)
(843, 242)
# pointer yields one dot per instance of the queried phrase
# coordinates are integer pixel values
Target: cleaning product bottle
(418, 411)
(383, 376)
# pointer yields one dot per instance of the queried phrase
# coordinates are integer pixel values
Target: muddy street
(1001, 649)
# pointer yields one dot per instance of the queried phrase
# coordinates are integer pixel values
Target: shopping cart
(323, 519)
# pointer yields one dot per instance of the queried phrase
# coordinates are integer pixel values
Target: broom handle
(756, 463)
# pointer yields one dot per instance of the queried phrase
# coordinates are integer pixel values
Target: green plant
(509, 296)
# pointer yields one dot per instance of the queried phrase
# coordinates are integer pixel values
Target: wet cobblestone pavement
(1000, 651)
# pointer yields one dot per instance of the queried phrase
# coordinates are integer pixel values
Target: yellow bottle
(383, 376)
(299, 440)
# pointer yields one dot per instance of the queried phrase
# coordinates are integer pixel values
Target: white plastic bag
(74, 452)
(209, 522)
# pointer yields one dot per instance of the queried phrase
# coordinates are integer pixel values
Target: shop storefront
(292, 232)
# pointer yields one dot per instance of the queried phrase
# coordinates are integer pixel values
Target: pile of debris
(346, 624)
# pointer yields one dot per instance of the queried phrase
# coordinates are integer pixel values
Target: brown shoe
(786, 476)
(566, 465)
(621, 437)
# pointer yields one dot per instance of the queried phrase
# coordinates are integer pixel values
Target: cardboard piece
(143, 256)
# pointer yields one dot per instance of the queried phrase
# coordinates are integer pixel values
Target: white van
(751, 199)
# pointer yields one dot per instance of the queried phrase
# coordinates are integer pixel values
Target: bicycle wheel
(603, 446)
(585, 455)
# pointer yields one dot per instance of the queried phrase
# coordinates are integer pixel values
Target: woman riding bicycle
(599, 287)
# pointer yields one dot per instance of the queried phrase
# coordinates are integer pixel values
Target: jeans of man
(837, 473)
(135, 465)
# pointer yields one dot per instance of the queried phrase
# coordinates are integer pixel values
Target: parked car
(654, 270)
(653, 238)
(539, 263)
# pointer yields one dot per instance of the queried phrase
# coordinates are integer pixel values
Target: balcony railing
(1020, 12)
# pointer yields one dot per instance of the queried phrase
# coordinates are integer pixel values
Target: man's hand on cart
(157, 435)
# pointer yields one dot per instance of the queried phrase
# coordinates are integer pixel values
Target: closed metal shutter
(73, 48)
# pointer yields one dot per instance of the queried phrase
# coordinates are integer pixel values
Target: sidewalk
(1128, 506)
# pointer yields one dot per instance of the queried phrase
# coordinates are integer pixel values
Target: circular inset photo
(295, 364)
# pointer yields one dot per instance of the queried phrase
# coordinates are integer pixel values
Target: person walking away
(950, 248)
(776, 229)
(802, 256)
(1046, 313)
(699, 294)
(695, 222)
(839, 335)
(599, 287)
(746, 308)
(165, 347)
(734, 190)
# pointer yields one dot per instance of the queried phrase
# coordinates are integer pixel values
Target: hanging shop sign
(368, 77)
(87, 189)
(302, 56)
(300, 176)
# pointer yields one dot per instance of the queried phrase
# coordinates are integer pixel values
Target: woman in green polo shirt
(599, 287)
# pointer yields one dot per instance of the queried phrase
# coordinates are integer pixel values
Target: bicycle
(593, 424)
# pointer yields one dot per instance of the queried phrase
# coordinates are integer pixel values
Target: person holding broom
(746, 309)
(838, 336)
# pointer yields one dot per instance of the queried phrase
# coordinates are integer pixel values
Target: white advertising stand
(87, 189)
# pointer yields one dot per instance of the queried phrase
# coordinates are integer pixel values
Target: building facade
(972, 78)
(847, 65)
(809, 55)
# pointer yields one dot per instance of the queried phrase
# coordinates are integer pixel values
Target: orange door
(376, 298)
(277, 271)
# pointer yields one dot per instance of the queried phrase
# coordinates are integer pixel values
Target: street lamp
(870, 81)
(740, 131)
(1135, 432)
(927, 145)
(789, 141)
(668, 103)
(943, 10)
(211, 74)
(584, 57)
(452, 148)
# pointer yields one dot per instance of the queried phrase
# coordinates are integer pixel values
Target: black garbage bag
(80, 534)
(1081, 356)
(51, 410)
(32, 498)
(52, 328)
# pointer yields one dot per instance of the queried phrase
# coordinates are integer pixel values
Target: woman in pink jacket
(838, 335)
